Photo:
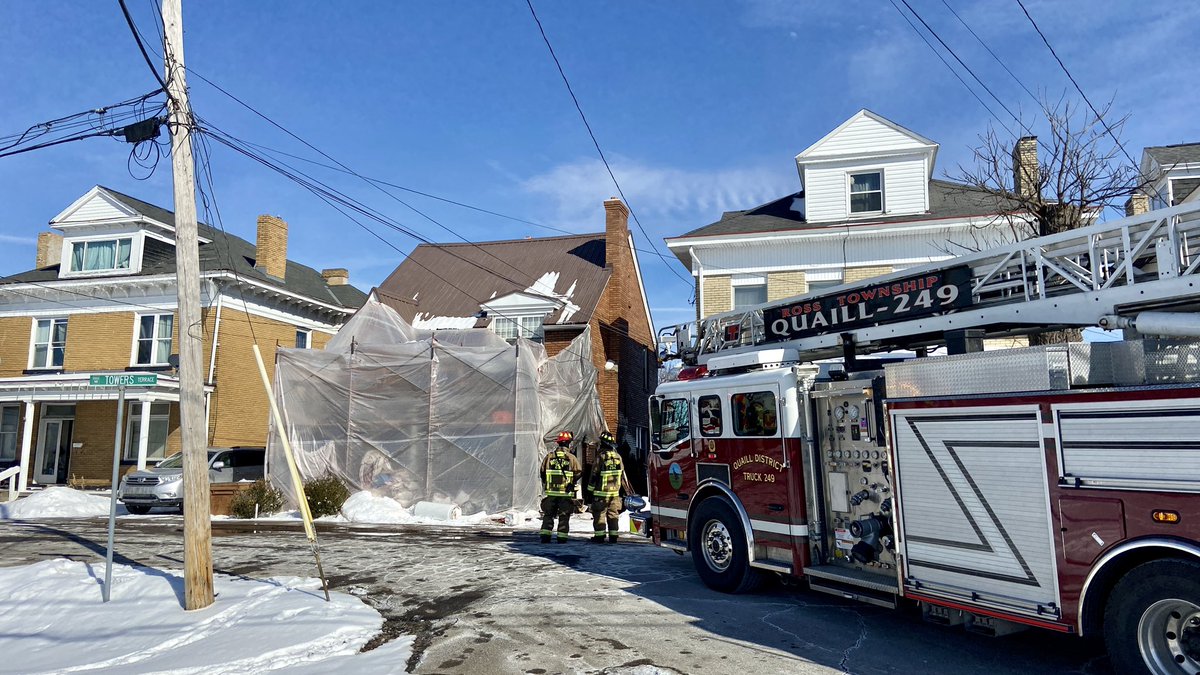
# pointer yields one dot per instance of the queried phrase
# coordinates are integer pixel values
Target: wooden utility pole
(197, 526)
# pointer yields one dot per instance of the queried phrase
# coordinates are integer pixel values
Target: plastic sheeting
(459, 416)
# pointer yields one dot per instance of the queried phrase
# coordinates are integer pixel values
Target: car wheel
(719, 550)
(1152, 620)
(138, 509)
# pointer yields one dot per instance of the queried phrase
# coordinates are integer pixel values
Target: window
(820, 285)
(49, 343)
(9, 416)
(303, 338)
(754, 414)
(160, 419)
(101, 255)
(673, 424)
(748, 296)
(529, 327)
(866, 192)
(154, 339)
(710, 415)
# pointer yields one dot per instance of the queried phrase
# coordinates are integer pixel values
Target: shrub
(262, 494)
(326, 495)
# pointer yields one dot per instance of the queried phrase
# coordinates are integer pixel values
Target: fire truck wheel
(1152, 620)
(719, 548)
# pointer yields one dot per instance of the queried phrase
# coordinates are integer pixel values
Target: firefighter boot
(545, 538)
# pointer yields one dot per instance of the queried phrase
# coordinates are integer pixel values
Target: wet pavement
(485, 599)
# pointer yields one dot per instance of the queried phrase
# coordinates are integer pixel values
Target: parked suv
(163, 485)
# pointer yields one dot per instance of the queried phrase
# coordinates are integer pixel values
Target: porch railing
(11, 475)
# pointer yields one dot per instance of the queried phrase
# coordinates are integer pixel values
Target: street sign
(141, 380)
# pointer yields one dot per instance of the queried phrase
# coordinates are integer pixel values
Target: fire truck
(1050, 486)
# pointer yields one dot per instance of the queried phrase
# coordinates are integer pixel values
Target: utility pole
(197, 526)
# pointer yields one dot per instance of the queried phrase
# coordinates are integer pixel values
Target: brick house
(101, 299)
(868, 205)
(547, 289)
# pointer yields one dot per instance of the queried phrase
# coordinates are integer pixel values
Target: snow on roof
(430, 322)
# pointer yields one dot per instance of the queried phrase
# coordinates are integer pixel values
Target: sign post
(120, 382)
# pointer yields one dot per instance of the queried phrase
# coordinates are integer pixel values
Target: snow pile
(58, 502)
(365, 507)
(254, 626)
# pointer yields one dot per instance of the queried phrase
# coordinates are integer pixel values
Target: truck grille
(141, 480)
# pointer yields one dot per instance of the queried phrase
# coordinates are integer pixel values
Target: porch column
(26, 447)
(143, 434)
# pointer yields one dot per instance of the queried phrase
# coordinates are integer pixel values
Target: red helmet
(565, 437)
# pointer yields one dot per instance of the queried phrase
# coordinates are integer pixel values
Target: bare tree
(1061, 183)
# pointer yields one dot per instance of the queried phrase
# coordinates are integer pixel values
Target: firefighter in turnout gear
(560, 472)
(608, 476)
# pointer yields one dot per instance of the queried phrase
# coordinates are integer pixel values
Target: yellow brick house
(101, 299)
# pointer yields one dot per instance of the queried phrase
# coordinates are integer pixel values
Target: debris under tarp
(456, 416)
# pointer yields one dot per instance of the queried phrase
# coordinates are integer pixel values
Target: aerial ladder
(1140, 273)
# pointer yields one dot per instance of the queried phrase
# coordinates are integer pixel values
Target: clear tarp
(459, 416)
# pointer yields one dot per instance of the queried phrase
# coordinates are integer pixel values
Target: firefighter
(608, 476)
(560, 472)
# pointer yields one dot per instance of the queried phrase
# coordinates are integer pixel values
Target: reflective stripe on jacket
(559, 473)
(608, 474)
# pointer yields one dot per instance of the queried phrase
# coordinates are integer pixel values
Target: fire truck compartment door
(974, 511)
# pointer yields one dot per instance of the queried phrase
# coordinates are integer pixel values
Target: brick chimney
(1025, 166)
(336, 276)
(49, 250)
(270, 253)
(1137, 204)
(616, 229)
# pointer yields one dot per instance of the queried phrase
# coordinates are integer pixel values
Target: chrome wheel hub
(1169, 637)
(717, 545)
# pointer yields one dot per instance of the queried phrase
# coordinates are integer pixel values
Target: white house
(868, 205)
(1173, 172)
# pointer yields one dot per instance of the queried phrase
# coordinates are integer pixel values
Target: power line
(950, 67)
(964, 65)
(596, 143)
(1062, 65)
(994, 55)
(141, 45)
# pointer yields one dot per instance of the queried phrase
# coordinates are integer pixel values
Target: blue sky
(700, 106)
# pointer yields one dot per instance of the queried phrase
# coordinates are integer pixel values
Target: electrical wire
(596, 143)
(142, 47)
(989, 51)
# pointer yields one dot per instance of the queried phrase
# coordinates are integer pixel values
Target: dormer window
(866, 192)
(509, 327)
(101, 255)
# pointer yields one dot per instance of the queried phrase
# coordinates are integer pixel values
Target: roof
(225, 252)
(1169, 155)
(946, 200)
(438, 281)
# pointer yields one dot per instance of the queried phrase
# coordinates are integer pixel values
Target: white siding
(96, 208)
(864, 135)
(826, 187)
(902, 246)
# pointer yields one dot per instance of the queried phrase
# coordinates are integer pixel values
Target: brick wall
(15, 334)
(785, 284)
(95, 426)
(717, 294)
(853, 274)
(238, 410)
(99, 341)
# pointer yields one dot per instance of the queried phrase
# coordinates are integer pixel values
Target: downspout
(212, 363)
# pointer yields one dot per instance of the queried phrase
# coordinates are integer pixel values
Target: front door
(53, 450)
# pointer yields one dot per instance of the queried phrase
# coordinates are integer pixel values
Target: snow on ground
(365, 507)
(54, 621)
(58, 502)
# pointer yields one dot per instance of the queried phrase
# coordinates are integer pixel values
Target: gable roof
(946, 200)
(222, 252)
(1169, 155)
(902, 138)
(453, 280)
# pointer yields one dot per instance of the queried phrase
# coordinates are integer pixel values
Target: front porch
(55, 429)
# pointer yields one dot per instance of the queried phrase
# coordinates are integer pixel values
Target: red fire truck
(1051, 486)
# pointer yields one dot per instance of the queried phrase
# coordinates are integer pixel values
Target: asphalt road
(486, 600)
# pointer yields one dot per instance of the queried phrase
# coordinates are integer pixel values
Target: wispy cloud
(657, 193)
(14, 239)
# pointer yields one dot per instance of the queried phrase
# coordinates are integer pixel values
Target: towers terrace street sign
(140, 380)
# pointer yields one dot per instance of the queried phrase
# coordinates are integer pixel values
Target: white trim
(835, 229)
(780, 528)
(250, 307)
(637, 272)
(742, 279)
(308, 343)
(873, 116)
(49, 350)
(669, 512)
(850, 174)
(136, 240)
(87, 196)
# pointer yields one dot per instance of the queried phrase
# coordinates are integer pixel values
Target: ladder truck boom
(1101, 275)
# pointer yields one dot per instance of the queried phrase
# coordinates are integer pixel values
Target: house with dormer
(867, 204)
(1172, 174)
(101, 300)
(549, 290)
